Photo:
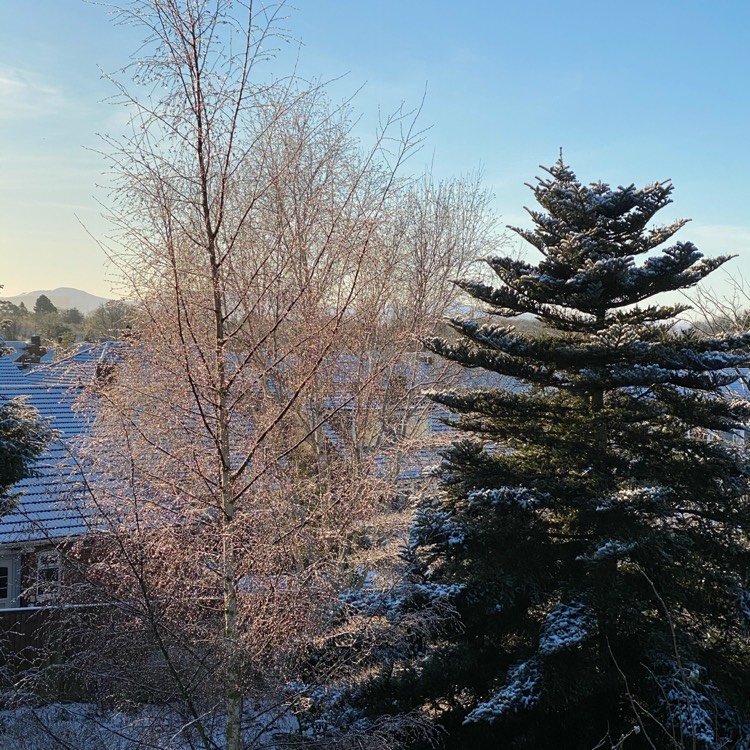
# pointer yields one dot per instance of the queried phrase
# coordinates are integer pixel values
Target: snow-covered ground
(77, 726)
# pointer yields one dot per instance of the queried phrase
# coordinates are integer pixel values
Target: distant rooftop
(49, 503)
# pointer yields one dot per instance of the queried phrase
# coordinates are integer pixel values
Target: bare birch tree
(282, 275)
(725, 311)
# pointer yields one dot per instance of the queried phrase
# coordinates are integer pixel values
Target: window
(4, 580)
(10, 583)
(47, 576)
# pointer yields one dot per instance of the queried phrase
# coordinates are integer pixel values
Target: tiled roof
(48, 504)
(18, 348)
(76, 367)
(9, 373)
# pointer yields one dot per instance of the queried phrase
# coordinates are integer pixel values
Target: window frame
(46, 587)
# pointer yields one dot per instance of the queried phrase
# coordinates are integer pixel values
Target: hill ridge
(63, 297)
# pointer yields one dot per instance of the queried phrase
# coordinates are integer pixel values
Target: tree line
(62, 327)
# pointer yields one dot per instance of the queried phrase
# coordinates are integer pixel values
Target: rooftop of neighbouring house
(27, 353)
(47, 504)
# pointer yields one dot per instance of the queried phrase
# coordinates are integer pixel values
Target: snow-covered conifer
(595, 541)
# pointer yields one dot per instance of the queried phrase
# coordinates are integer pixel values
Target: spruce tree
(592, 527)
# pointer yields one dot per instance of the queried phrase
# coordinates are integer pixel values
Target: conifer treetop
(589, 237)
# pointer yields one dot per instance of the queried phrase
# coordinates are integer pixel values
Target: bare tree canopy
(283, 276)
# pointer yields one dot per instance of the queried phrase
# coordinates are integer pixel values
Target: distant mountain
(63, 298)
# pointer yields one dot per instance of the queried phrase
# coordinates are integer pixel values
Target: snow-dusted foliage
(690, 712)
(594, 514)
(565, 627)
(520, 692)
(521, 497)
(631, 499)
(696, 712)
(393, 603)
(613, 549)
(434, 524)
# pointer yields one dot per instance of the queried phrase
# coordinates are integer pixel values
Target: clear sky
(633, 92)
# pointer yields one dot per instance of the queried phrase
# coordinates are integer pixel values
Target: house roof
(18, 349)
(48, 504)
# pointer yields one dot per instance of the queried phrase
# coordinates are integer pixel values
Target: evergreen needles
(592, 528)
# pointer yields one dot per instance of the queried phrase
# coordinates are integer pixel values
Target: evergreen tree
(72, 315)
(44, 305)
(23, 433)
(23, 436)
(592, 528)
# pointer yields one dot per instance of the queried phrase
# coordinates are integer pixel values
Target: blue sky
(633, 92)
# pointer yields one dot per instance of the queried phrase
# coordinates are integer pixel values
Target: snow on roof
(18, 348)
(48, 505)
(75, 367)
(9, 373)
